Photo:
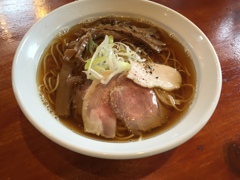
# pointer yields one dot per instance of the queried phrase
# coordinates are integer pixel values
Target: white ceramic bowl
(205, 59)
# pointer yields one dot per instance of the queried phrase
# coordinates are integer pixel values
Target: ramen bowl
(205, 60)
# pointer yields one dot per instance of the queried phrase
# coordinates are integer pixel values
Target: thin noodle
(50, 83)
(125, 138)
(58, 49)
(50, 99)
(172, 100)
(53, 73)
(45, 82)
(45, 63)
(54, 58)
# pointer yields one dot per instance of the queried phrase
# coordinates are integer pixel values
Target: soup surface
(65, 78)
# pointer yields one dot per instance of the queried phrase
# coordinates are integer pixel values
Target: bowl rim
(105, 149)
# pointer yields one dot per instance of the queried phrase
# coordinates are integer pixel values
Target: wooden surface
(214, 153)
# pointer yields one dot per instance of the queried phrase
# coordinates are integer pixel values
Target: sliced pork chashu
(136, 106)
(97, 115)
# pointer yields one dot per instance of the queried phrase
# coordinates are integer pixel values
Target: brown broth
(181, 54)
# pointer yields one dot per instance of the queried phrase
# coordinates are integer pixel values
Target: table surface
(213, 153)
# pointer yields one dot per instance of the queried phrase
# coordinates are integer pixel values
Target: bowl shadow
(67, 164)
(232, 156)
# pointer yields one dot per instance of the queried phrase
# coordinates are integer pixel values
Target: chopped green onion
(110, 58)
